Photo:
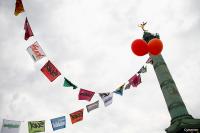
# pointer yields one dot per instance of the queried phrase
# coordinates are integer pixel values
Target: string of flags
(51, 73)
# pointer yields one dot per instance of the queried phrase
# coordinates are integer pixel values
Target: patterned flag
(58, 123)
(10, 126)
(76, 116)
(150, 61)
(119, 90)
(19, 8)
(68, 83)
(142, 70)
(135, 80)
(85, 94)
(127, 86)
(107, 98)
(92, 106)
(50, 71)
(36, 126)
(36, 51)
(28, 31)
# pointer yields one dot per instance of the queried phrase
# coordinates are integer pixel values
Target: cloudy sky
(89, 42)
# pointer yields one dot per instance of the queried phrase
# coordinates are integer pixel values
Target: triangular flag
(36, 51)
(50, 71)
(85, 94)
(10, 126)
(127, 86)
(150, 61)
(119, 90)
(76, 116)
(36, 126)
(92, 106)
(107, 98)
(28, 31)
(68, 83)
(135, 80)
(19, 8)
(142, 70)
(58, 123)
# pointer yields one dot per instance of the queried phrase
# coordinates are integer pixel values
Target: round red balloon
(139, 47)
(155, 46)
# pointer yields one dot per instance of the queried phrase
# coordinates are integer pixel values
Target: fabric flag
(150, 61)
(107, 98)
(28, 31)
(50, 71)
(19, 8)
(135, 80)
(58, 123)
(92, 106)
(68, 83)
(127, 86)
(119, 90)
(142, 70)
(76, 116)
(85, 95)
(10, 126)
(36, 126)
(36, 51)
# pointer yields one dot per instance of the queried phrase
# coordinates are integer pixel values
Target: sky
(89, 41)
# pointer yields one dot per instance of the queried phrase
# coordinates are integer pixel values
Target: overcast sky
(89, 41)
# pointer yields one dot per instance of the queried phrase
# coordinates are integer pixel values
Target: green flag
(36, 126)
(67, 83)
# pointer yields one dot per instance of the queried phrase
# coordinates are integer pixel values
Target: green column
(180, 118)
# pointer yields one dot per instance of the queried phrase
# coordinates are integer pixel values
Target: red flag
(28, 31)
(76, 116)
(50, 71)
(85, 94)
(19, 8)
(135, 80)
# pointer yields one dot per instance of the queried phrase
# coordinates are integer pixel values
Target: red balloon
(139, 47)
(155, 46)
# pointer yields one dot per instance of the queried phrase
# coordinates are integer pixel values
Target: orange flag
(76, 116)
(19, 8)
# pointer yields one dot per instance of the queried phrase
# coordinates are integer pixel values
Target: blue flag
(58, 123)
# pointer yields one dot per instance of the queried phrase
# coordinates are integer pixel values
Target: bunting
(68, 83)
(142, 70)
(107, 98)
(85, 95)
(127, 86)
(28, 30)
(92, 106)
(50, 71)
(135, 80)
(149, 60)
(58, 123)
(76, 116)
(36, 126)
(19, 8)
(119, 90)
(10, 126)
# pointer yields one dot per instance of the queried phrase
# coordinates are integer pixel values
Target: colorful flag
(76, 116)
(36, 126)
(107, 98)
(85, 94)
(50, 71)
(92, 106)
(58, 123)
(10, 126)
(127, 86)
(150, 61)
(135, 80)
(68, 83)
(119, 90)
(19, 8)
(142, 70)
(36, 51)
(28, 31)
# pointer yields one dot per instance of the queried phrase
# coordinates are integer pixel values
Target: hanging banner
(135, 80)
(19, 8)
(28, 30)
(58, 123)
(50, 71)
(36, 51)
(68, 83)
(36, 126)
(119, 90)
(92, 106)
(10, 126)
(85, 95)
(76, 116)
(107, 98)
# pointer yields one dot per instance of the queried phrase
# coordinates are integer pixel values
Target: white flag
(92, 106)
(36, 51)
(107, 98)
(10, 126)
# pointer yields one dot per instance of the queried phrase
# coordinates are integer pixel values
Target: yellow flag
(19, 8)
